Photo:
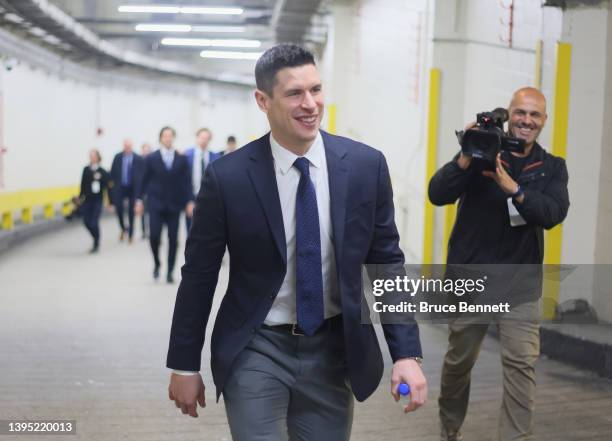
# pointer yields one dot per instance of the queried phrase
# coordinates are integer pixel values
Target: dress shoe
(156, 272)
(169, 278)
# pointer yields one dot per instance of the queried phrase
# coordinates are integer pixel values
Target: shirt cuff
(174, 371)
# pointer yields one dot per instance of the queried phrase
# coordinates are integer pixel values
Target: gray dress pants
(287, 387)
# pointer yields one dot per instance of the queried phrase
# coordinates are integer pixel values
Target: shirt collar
(284, 159)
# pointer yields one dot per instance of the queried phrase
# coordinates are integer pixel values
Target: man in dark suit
(300, 211)
(199, 156)
(126, 171)
(167, 185)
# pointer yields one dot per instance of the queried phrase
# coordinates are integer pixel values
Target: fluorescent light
(13, 18)
(218, 29)
(208, 42)
(159, 9)
(151, 27)
(37, 31)
(153, 9)
(231, 55)
(210, 10)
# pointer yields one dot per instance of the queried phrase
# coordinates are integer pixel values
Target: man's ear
(262, 100)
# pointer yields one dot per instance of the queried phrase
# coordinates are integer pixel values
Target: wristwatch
(419, 360)
(519, 191)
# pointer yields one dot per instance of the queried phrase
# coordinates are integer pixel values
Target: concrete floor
(84, 337)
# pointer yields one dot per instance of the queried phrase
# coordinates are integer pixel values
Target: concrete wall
(378, 83)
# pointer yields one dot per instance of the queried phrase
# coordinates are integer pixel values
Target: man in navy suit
(167, 185)
(126, 172)
(199, 157)
(300, 211)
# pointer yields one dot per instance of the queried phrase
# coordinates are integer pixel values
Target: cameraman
(533, 185)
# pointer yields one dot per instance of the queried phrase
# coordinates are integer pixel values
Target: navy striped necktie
(309, 275)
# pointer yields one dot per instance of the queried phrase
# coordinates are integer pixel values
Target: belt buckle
(295, 331)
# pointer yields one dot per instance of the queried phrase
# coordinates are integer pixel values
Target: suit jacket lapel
(262, 175)
(338, 172)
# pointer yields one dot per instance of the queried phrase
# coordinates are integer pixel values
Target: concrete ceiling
(95, 33)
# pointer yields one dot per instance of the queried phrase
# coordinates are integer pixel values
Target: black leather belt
(331, 323)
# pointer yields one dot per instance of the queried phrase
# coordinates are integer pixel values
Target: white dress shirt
(197, 172)
(167, 156)
(287, 179)
(283, 310)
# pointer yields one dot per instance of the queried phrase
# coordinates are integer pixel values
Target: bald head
(530, 94)
(527, 115)
(128, 145)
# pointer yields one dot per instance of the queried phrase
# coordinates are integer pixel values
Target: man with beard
(500, 220)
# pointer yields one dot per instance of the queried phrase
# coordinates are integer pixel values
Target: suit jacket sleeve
(143, 182)
(203, 254)
(83, 191)
(186, 183)
(402, 339)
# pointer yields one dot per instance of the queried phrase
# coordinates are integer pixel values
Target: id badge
(95, 187)
(516, 220)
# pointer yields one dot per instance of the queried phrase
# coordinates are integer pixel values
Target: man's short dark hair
(161, 132)
(277, 58)
(231, 138)
(203, 129)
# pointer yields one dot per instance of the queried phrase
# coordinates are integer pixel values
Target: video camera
(488, 138)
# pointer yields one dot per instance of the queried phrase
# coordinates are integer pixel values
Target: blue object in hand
(404, 391)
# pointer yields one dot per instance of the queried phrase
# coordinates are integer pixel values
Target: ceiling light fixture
(208, 42)
(220, 29)
(167, 9)
(231, 55)
(154, 27)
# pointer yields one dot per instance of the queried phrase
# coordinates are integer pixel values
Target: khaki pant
(519, 334)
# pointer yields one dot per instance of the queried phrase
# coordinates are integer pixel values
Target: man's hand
(139, 208)
(110, 208)
(407, 370)
(503, 179)
(189, 209)
(187, 391)
(464, 161)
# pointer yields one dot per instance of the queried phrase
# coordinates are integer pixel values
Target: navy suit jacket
(165, 189)
(138, 165)
(240, 198)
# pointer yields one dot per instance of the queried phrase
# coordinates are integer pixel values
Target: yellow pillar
(331, 119)
(49, 211)
(553, 239)
(7, 221)
(27, 216)
(432, 152)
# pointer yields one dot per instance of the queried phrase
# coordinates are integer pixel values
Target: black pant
(189, 220)
(157, 218)
(143, 219)
(92, 209)
(124, 193)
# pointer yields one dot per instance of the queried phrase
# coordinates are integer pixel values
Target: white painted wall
(50, 123)
(378, 85)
